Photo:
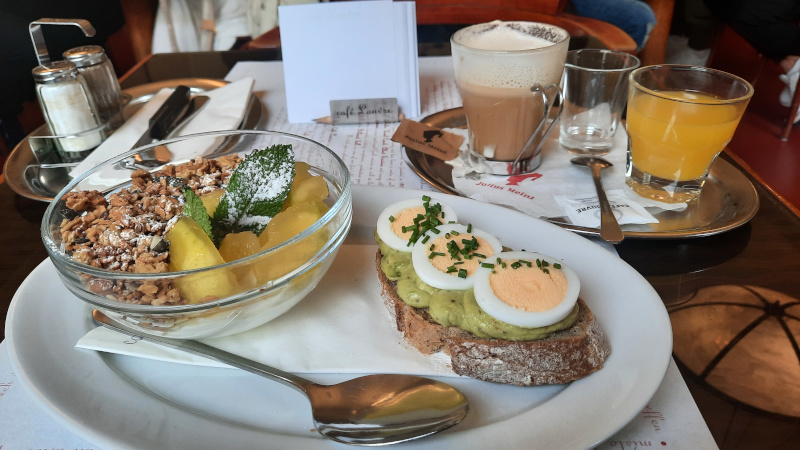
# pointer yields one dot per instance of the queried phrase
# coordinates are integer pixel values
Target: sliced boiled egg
(448, 256)
(409, 219)
(526, 289)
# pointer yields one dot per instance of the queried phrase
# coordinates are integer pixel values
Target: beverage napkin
(342, 326)
(557, 187)
(224, 111)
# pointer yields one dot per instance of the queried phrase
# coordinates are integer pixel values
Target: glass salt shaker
(69, 109)
(97, 70)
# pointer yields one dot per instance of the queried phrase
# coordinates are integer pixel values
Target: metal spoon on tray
(609, 228)
(370, 410)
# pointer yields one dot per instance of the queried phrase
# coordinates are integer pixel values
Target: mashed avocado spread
(456, 308)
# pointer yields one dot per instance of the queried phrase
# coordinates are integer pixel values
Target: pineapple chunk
(301, 171)
(211, 200)
(239, 245)
(312, 189)
(283, 227)
(191, 248)
(291, 222)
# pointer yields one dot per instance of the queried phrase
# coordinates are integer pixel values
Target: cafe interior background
(757, 144)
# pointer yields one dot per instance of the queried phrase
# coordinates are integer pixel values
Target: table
(682, 271)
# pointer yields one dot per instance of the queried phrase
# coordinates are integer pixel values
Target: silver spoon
(370, 410)
(609, 228)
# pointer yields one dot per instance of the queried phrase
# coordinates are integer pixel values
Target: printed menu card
(348, 51)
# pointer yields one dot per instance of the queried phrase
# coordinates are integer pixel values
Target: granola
(124, 232)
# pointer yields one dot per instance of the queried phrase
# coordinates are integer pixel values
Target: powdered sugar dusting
(269, 186)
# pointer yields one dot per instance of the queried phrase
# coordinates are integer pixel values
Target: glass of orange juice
(679, 119)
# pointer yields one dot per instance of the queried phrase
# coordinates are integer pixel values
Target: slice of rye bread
(565, 356)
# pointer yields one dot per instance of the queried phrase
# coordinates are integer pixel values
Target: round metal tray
(20, 178)
(728, 200)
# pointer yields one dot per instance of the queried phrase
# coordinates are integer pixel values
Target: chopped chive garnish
(488, 265)
(425, 198)
(451, 269)
(557, 265)
(434, 254)
(454, 233)
(431, 247)
(479, 255)
(515, 265)
(469, 228)
(462, 273)
(425, 239)
(391, 218)
(435, 230)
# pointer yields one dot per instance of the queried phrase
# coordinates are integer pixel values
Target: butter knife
(166, 117)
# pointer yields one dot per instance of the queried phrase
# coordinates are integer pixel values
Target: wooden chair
(656, 47)
(749, 64)
(465, 12)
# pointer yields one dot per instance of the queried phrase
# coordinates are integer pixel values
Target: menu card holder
(348, 50)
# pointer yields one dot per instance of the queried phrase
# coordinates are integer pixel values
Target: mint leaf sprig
(195, 209)
(256, 191)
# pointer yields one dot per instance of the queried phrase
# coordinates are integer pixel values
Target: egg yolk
(446, 258)
(528, 288)
(405, 218)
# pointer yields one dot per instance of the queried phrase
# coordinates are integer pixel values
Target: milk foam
(503, 37)
(480, 58)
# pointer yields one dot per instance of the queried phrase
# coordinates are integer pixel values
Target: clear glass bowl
(270, 282)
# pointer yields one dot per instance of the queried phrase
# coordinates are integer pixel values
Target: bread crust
(565, 356)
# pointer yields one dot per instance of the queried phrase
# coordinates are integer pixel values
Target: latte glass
(508, 75)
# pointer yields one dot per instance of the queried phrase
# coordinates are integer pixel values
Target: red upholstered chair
(464, 12)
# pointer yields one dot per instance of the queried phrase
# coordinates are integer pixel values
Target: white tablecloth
(670, 420)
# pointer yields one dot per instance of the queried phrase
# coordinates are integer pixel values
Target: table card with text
(347, 51)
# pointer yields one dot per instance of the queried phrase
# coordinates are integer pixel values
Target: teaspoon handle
(207, 351)
(610, 230)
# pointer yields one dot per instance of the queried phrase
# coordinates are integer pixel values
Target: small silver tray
(25, 182)
(728, 200)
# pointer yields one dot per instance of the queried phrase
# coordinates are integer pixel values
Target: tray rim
(417, 161)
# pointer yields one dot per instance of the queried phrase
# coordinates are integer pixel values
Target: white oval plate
(124, 402)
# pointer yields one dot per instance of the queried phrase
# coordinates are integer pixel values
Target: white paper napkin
(342, 326)
(224, 110)
(535, 194)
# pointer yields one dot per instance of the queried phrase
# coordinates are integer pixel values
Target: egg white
(492, 305)
(384, 226)
(433, 276)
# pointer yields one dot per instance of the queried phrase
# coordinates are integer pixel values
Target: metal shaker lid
(86, 55)
(54, 71)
